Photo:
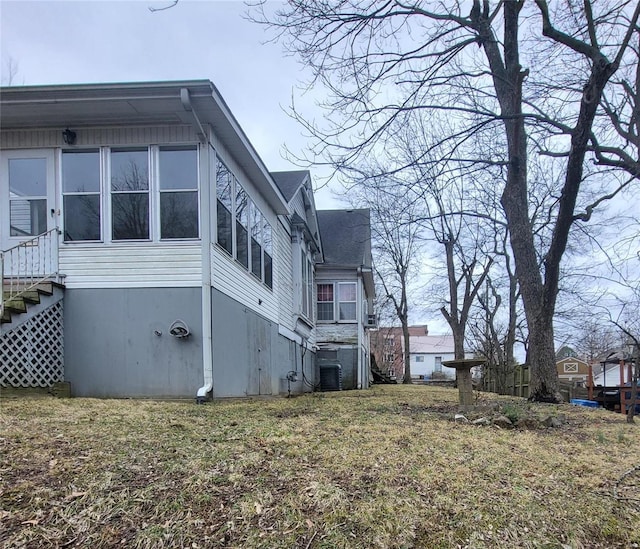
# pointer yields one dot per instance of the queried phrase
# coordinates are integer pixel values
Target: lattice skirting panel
(32, 355)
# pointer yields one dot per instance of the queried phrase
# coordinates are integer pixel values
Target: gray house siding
(111, 346)
(249, 356)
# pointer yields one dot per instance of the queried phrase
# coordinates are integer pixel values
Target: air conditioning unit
(331, 377)
(372, 321)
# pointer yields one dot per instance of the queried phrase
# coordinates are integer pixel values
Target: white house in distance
(175, 263)
(428, 352)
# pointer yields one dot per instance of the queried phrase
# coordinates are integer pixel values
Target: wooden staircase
(20, 304)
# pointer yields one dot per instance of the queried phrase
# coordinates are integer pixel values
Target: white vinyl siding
(283, 273)
(95, 137)
(131, 266)
(232, 279)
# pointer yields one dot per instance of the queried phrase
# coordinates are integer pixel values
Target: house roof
(346, 237)
(346, 242)
(290, 182)
(431, 344)
(193, 102)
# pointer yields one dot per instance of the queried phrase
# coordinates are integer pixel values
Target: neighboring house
(573, 370)
(565, 352)
(187, 267)
(427, 352)
(386, 349)
(345, 294)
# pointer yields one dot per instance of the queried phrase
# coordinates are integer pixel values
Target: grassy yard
(387, 468)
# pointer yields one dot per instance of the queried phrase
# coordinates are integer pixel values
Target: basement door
(258, 336)
(27, 197)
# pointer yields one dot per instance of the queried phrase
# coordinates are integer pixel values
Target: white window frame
(336, 301)
(154, 191)
(571, 368)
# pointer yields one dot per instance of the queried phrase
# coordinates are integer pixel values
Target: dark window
(256, 242)
(130, 194)
(242, 224)
(267, 241)
(81, 195)
(178, 172)
(223, 194)
(325, 301)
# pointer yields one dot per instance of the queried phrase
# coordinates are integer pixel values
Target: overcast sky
(55, 42)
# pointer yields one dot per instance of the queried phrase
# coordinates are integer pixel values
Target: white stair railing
(27, 264)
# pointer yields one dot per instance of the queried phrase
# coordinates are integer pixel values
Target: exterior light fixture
(69, 137)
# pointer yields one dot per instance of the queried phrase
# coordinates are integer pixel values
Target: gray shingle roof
(289, 182)
(346, 237)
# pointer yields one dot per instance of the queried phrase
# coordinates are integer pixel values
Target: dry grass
(382, 468)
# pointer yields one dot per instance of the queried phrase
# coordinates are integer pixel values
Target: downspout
(359, 297)
(207, 310)
(205, 239)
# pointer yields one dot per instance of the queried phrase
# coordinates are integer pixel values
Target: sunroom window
(242, 224)
(223, 194)
(256, 242)
(81, 195)
(130, 194)
(267, 242)
(178, 172)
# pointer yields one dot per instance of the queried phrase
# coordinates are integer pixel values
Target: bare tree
(396, 247)
(379, 61)
(11, 70)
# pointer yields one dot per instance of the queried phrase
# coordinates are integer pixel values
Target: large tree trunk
(508, 77)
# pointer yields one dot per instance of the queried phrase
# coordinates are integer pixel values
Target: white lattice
(32, 355)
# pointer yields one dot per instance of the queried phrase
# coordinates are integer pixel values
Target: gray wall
(111, 349)
(249, 356)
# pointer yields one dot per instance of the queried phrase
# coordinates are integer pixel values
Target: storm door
(27, 209)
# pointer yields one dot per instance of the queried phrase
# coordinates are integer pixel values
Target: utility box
(330, 377)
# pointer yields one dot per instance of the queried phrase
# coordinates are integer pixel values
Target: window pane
(129, 170)
(224, 227)
(130, 216)
(325, 311)
(81, 171)
(267, 241)
(242, 245)
(178, 168)
(347, 292)
(256, 248)
(268, 270)
(179, 215)
(82, 217)
(256, 258)
(325, 292)
(28, 217)
(347, 311)
(27, 177)
(242, 224)
(223, 193)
